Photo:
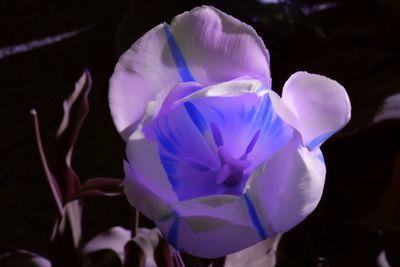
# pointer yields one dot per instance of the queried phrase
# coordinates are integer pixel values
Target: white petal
(320, 104)
(217, 47)
(210, 227)
(146, 184)
(141, 72)
(288, 188)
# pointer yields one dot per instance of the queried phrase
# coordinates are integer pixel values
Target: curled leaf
(76, 108)
(113, 239)
(101, 186)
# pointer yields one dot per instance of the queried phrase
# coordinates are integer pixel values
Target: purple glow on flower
(223, 162)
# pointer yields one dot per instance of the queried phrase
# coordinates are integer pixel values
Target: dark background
(355, 42)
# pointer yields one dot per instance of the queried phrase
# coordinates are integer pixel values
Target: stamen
(223, 173)
(219, 141)
(252, 142)
(231, 171)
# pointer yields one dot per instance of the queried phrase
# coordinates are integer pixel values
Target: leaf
(390, 109)
(75, 108)
(391, 244)
(149, 249)
(140, 250)
(23, 258)
(101, 186)
(385, 214)
(263, 254)
(102, 258)
(55, 189)
(62, 179)
(163, 254)
(113, 239)
(66, 238)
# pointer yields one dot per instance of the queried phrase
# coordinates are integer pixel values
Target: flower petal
(217, 47)
(240, 109)
(219, 225)
(146, 179)
(141, 72)
(186, 157)
(320, 104)
(288, 187)
(204, 45)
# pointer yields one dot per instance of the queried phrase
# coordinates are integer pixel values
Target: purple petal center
(231, 170)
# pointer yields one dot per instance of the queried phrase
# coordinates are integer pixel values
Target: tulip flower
(214, 157)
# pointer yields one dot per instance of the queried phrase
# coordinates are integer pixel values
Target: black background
(356, 43)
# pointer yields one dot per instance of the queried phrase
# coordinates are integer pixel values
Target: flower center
(231, 170)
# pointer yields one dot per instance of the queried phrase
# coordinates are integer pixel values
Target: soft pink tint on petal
(217, 47)
(141, 72)
(288, 188)
(146, 184)
(211, 227)
(320, 104)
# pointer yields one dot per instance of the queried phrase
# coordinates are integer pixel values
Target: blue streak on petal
(180, 62)
(219, 141)
(254, 217)
(173, 233)
(267, 115)
(171, 134)
(319, 155)
(253, 141)
(264, 113)
(250, 114)
(166, 142)
(170, 165)
(319, 140)
(196, 116)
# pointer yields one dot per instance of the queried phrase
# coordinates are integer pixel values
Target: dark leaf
(101, 186)
(113, 239)
(75, 108)
(135, 256)
(22, 258)
(102, 258)
(140, 251)
(66, 239)
(391, 245)
(163, 254)
(55, 189)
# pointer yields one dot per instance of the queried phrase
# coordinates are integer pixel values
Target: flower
(215, 157)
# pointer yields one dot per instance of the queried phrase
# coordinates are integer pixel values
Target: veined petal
(288, 187)
(203, 45)
(146, 184)
(240, 109)
(141, 72)
(188, 161)
(320, 104)
(218, 224)
(217, 47)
